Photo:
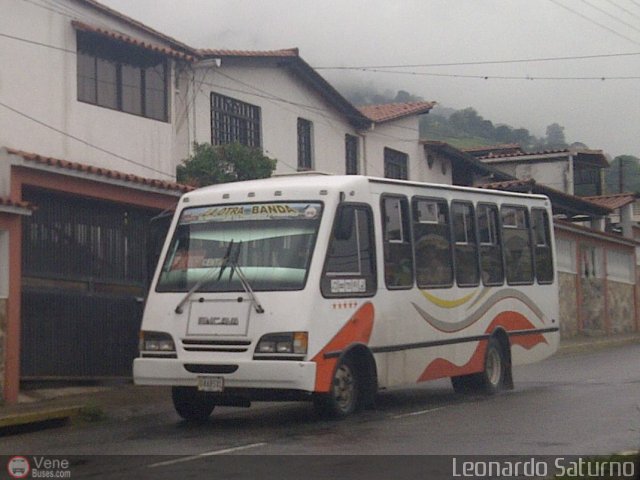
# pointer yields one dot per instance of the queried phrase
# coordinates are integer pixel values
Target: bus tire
(493, 376)
(465, 384)
(192, 405)
(344, 396)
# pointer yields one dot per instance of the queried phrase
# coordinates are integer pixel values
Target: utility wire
(484, 62)
(497, 77)
(40, 44)
(84, 142)
(625, 10)
(556, 2)
(382, 69)
(617, 19)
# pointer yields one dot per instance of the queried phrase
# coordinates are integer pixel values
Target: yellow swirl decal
(441, 302)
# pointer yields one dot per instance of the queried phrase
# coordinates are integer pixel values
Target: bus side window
(432, 240)
(542, 238)
(466, 244)
(517, 245)
(491, 264)
(398, 257)
(350, 266)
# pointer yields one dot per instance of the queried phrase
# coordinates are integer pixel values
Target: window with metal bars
(396, 164)
(108, 241)
(305, 144)
(351, 154)
(233, 121)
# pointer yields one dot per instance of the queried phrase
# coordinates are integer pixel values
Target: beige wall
(595, 300)
(568, 305)
(593, 306)
(621, 307)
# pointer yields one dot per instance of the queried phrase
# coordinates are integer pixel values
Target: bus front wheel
(344, 397)
(493, 377)
(191, 404)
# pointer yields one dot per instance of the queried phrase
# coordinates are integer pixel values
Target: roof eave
(139, 25)
(302, 69)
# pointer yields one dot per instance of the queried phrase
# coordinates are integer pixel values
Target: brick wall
(3, 326)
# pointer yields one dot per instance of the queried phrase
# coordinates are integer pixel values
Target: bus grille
(233, 346)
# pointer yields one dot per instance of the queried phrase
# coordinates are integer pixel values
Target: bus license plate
(211, 384)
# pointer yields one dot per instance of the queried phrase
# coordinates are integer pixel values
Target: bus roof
(330, 183)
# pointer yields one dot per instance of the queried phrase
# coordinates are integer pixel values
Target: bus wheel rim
(494, 367)
(344, 387)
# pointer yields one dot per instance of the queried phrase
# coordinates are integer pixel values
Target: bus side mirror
(344, 224)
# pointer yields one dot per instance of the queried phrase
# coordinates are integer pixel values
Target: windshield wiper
(205, 278)
(235, 267)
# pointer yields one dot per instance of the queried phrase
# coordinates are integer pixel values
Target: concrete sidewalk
(84, 403)
(122, 400)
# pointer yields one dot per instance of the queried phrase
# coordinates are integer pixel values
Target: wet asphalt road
(579, 404)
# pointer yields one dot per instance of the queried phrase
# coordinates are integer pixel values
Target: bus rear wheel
(492, 379)
(344, 397)
(192, 405)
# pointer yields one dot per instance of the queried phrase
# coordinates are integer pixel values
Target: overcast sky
(354, 33)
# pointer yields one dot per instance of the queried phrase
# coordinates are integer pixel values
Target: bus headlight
(286, 343)
(160, 342)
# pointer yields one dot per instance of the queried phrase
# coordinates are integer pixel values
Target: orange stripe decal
(513, 321)
(510, 321)
(441, 368)
(356, 330)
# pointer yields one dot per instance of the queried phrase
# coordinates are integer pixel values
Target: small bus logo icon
(18, 467)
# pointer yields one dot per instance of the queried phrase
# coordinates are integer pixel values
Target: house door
(84, 273)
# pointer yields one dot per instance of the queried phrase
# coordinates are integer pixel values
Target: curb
(573, 346)
(38, 416)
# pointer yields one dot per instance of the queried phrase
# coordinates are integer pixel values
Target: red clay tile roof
(393, 111)
(210, 52)
(291, 60)
(566, 225)
(183, 51)
(563, 151)
(506, 148)
(102, 172)
(501, 146)
(135, 23)
(589, 157)
(508, 184)
(614, 201)
(7, 202)
(559, 199)
(132, 41)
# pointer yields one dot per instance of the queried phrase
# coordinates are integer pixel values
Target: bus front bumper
(266, 374)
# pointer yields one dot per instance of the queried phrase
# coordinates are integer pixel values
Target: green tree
(555, 136)
(209, 164)
(626, 181)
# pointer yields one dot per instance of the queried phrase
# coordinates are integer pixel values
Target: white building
(275, 101)
(96, 112)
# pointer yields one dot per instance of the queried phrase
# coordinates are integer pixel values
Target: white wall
(402, 135)
(40, 82)
(551, 174)
(554, 173)
(282, 98)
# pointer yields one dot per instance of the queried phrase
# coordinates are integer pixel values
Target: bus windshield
(271, 242)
